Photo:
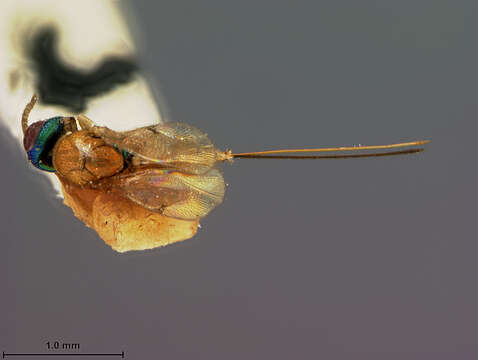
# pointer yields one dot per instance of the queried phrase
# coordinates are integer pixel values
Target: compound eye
(39, 140)
(31, 135)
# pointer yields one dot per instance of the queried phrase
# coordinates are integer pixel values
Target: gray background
(344, 259)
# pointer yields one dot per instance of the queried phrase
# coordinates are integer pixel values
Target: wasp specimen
(146, 187)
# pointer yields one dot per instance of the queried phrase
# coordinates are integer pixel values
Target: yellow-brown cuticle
(82, 158)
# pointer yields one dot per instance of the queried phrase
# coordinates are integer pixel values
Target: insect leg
(85, 123)
(69, 124)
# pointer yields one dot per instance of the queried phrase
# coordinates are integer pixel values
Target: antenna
(27, 111)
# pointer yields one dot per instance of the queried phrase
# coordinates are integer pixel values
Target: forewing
(173, 193)
(173, 145)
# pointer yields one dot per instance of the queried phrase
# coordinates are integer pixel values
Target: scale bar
(4, 354)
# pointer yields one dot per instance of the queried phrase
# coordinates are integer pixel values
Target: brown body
(81, 160)
(158, 195)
